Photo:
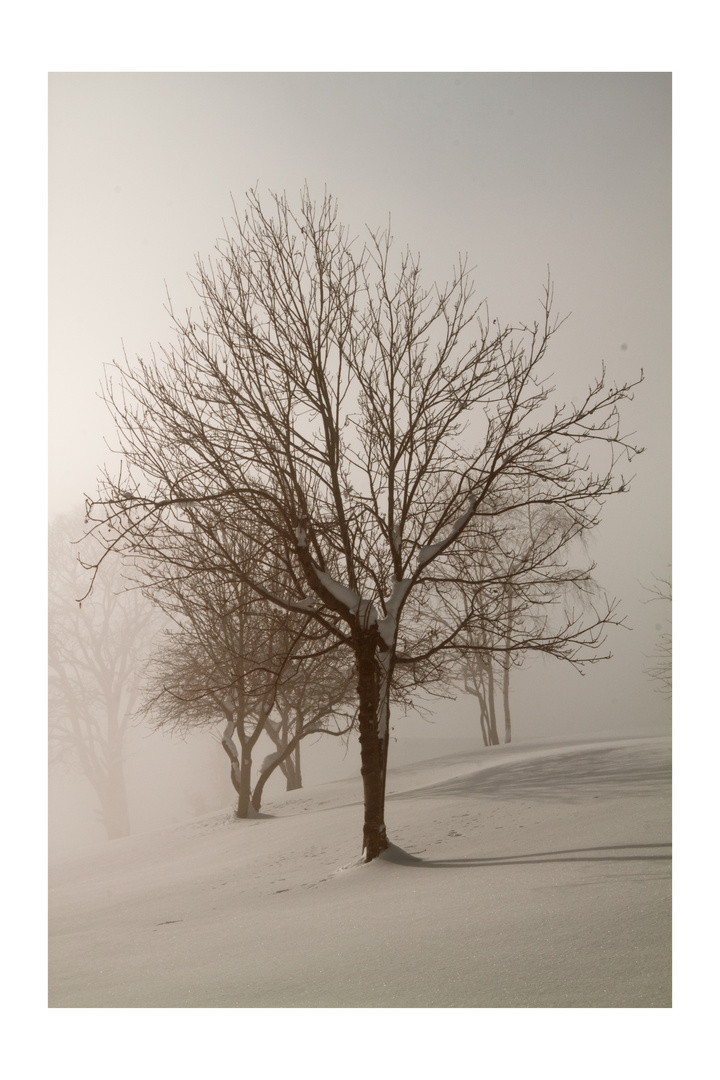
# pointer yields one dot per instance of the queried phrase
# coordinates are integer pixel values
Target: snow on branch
(431, 550)
(355, 603)
(308, 603)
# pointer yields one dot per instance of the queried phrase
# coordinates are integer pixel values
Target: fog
(519, 171)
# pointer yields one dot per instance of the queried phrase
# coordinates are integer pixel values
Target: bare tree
(95, 651)
(507, 661)
(358, 423)
(659, 665)
(317, 698)
(194, 680)
(522, 566)
(231, 654)
(479, 681)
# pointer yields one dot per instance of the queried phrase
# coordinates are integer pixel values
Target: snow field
(520, 878)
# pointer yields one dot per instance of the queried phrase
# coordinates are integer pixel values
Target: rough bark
(373, 753)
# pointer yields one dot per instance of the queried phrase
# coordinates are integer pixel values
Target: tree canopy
(377, 440)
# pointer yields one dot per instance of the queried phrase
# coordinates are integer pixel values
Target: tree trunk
(240, 769)
(506, 699)
(294, 775)
(506, 667)
(244, 788)
(293, 778)
(373, 752)
(493, 733)
(277, 763)
(475, 685)
(290, 765)
(483, 720)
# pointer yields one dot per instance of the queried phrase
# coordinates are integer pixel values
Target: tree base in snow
(376, 842)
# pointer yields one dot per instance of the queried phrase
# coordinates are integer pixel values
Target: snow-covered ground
(530, 876)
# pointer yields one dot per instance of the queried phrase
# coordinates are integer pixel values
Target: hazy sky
(519, 171)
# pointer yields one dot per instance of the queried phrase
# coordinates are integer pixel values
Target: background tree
(523, 563)
(96, 652)
(230, 654)
(659, 665)
(316, 698)
(479, 681)
(359, 423)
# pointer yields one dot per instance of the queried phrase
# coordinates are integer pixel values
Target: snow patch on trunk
(388, 625)
(229, 744)
(356, 605)
(270, 760)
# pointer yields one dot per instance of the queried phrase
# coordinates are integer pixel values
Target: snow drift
(520, 876)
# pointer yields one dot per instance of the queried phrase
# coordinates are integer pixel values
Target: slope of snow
(519, 877)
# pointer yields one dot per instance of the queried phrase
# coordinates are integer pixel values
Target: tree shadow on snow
(570, 777)
(621, 853)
